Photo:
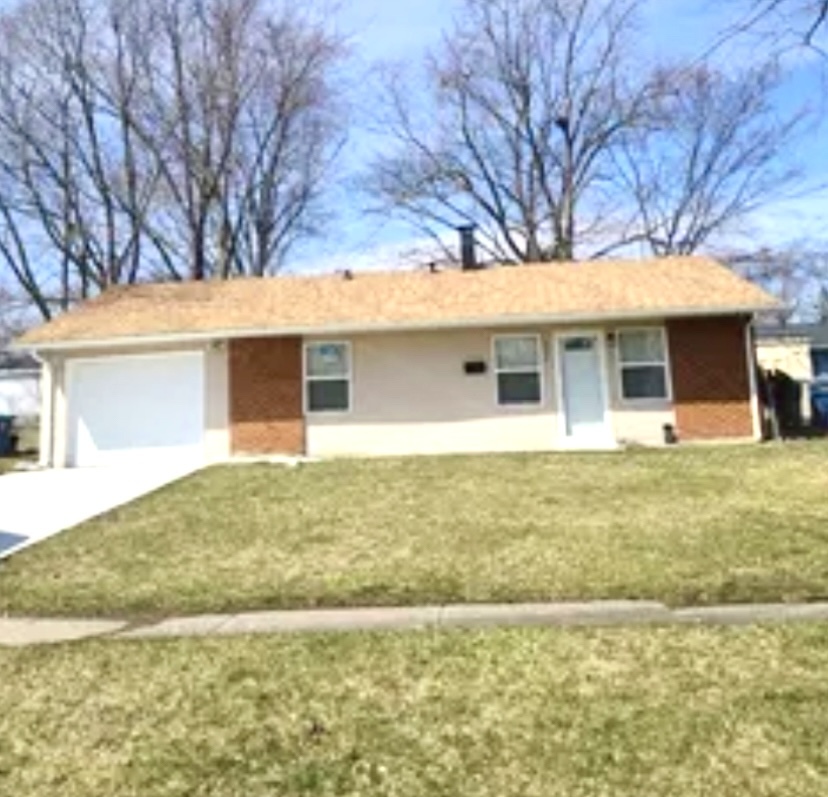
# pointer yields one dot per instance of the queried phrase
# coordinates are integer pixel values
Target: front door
(583, 396)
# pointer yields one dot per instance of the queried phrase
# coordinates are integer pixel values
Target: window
(518, 369)
(328, 377)
(642, 358)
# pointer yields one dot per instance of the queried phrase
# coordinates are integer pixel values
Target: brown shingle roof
(407, 299)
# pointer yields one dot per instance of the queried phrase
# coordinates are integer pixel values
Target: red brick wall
(711, 383)
(266, 414)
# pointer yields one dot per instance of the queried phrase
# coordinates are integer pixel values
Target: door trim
(608, 438)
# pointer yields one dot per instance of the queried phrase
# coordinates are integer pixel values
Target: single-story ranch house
(528, 358)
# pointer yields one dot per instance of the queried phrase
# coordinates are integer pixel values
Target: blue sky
(404, 29)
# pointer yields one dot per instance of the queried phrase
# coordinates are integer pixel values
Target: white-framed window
(327, 376)
(518, 366)
(642, 364)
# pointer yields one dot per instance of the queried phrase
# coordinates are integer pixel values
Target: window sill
(646, 403)
(520, 408)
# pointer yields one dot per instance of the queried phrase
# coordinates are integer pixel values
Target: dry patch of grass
(679, 712)
(685, 526)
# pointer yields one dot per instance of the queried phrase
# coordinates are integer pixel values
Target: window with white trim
(642, 360)
(327, 377)
(518, 369)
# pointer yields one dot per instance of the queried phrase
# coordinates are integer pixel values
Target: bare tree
(526, 100)
(801, 20)
(543, 127)
(14, 315)
(796, 273)
(65, 224)
(162, 139)
(240, 115)
(712, 150)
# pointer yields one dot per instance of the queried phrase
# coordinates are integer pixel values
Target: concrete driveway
(35, 505)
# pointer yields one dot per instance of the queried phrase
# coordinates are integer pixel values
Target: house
(19, 385)
(529, 358)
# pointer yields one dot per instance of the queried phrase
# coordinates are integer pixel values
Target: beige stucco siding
(47, 413)
(54, 403)
(637, 422)
(410, 395)
(216, 404)
(60, 404)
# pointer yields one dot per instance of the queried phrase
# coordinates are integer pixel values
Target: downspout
(755, 405)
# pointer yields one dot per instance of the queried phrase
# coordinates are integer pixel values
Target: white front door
(582, 390)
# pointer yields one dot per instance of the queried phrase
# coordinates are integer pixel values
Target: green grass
(676, 713)
(684, 526)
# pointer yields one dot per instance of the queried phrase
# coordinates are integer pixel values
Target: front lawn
(533, 713)
(684, 526)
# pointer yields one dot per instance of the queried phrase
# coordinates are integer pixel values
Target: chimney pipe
(468, 247)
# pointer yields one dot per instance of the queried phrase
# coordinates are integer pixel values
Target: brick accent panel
(266, 414)
(711, 383)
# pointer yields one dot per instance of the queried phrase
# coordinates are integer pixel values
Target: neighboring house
(528, 358)
(19, 385)
(801, 352)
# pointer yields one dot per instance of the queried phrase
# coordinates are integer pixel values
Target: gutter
(354, 328)
(7, 373)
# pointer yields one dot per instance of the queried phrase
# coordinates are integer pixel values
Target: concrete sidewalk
(23, 632)
(19, 632)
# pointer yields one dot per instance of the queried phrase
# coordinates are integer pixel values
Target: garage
(123, 410)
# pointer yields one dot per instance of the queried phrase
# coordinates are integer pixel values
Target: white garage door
(130, 409)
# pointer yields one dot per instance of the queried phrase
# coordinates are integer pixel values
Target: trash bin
(6, 435)
(819, 406)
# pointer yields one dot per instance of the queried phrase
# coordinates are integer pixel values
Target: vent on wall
(474, 367)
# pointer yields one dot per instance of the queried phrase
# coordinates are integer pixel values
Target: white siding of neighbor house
(410, 395)
(54, 440)
(20, 393)
(793, 356)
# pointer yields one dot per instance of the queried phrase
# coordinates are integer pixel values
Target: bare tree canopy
(161, 139)
(543, 126)
(526, 97)
(709, 153)
(796, 273)
(805, 20)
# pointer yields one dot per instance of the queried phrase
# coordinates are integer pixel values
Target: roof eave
(351, 328)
